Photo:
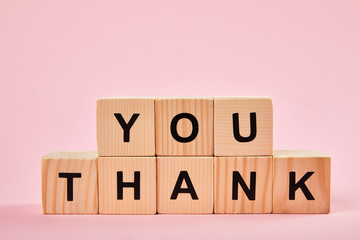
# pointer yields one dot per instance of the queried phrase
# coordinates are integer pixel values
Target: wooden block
(184, 127)
(125, 127)
(243, 184)
(301, 182)
(69, 183)
(243, 126)
(185, 184)
(127, 185)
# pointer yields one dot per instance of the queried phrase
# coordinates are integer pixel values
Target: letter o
(194, 123)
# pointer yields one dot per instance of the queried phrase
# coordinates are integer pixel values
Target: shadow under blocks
(185, 156)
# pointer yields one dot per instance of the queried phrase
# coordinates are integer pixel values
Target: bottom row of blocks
(288, 182)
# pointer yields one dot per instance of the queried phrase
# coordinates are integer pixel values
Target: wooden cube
(125, 127)
(243, 126)
(243, 184)
(184, 127)
(127, 185)
(185, 184)
(69, 183)
(301, 182)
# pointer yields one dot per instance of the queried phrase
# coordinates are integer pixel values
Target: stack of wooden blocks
(185, 156)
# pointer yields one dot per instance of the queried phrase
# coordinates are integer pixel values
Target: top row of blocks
(231, 126)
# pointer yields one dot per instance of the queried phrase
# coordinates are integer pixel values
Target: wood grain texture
(318, 184)
(200, 171)
(167, 109)
(224, 140)
(110, 134)
(54, 188)
(224, 167)
(108, 168)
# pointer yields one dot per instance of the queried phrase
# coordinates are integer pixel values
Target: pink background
(58, 57)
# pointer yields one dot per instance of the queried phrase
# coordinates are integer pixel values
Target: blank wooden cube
(125, 127)
(301, 182)
(184, 127)
(69, 183)
(243, 184)
(127, 185)
(243, 126)
(185, 184)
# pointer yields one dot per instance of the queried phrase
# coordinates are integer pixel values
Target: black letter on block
(236, 130)
(194, 123)
(250, 193)
(70, 183)
(190, 188)
(126, 126)
(300, 184)
(121, 185)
